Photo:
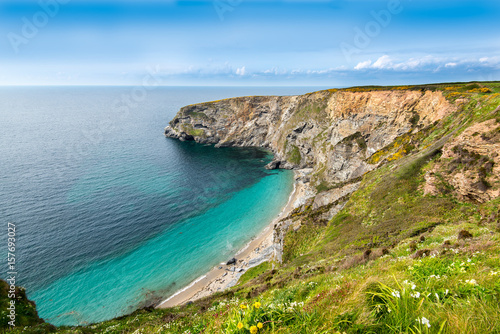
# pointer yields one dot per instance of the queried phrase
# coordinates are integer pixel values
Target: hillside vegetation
(415, 249)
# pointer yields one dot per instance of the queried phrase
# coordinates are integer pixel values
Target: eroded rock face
(470, 164)
(333, 132)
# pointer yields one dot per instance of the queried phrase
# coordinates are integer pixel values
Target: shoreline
(255, 252)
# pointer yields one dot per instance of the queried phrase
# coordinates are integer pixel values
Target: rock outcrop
(469, 167)
(334, 132)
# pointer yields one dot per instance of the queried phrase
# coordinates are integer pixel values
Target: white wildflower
(424, 321)
(396, 294)
(471, 281)
(415, 294)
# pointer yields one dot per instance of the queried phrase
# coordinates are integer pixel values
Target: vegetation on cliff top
(391, 261)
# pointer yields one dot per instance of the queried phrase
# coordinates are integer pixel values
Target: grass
(294, 155)
(188, 128)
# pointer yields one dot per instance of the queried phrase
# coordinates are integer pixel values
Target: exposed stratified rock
(470, 165)
(333, 132)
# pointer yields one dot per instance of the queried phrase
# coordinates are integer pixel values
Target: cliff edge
(339, 134)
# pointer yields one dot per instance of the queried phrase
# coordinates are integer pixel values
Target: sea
(110, 215)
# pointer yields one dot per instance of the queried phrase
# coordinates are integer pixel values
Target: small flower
(260, 325)
(424, 321)
(389, 310)
(415, 294)
(471, 281)
(396, 294)
(493, 273)
(243, 306)
(254, 329)
(240, 325)
(413, 286)
(257, 305)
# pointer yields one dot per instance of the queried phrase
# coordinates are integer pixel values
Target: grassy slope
(363, 272)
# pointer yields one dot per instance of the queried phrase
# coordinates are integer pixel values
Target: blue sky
(248, 42)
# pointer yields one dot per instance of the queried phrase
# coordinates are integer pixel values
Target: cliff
(337, 133)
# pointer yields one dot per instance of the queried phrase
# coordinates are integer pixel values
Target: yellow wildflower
(257, 304)
(243, 306)
(253, 329)
(260, 325)
(240, 325)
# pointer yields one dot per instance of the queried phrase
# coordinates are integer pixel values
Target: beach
(257, 251)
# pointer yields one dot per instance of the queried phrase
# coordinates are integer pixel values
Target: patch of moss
(194, 114)
(358, 138)
(188, 128)
(294, 155)
(322, 186)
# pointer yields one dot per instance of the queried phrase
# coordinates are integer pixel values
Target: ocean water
(110, 215)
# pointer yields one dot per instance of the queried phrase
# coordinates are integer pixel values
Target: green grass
(294, 155)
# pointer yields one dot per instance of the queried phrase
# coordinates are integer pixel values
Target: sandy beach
(224, 276)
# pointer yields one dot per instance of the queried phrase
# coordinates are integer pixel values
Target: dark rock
(464, 234)
(421, 253)
(231, 262)
(367, 253)
(413, 246)
(273, 165)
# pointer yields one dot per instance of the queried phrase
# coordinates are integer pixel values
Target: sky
(334, 43)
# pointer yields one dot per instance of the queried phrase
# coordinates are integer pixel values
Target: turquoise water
(111, 218)
(176, 256)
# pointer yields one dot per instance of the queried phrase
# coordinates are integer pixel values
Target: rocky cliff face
(469, 165)
(339, 134)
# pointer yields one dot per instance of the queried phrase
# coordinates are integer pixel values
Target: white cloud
(363, 65)
(428, 63)
(384, 62)
(241, 71)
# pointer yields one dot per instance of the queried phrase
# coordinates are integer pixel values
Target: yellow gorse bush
(246, 319)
